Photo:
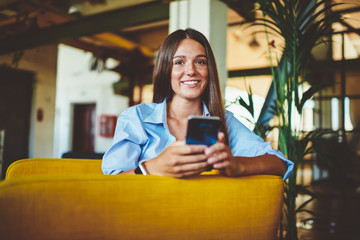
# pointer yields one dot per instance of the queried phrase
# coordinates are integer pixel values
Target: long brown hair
(162, 74)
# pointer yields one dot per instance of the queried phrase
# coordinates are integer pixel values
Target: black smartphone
(202, 130)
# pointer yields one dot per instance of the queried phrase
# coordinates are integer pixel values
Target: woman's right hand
(178, 160)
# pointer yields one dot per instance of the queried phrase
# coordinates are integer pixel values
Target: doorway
(16, 89)
(83, 140)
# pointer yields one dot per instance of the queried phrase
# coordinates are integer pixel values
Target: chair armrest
(53, 166)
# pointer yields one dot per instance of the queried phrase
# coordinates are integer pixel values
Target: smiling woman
(149, 137)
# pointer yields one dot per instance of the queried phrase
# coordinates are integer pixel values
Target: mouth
(191, 82)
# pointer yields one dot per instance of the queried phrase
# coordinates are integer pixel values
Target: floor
(337, 210)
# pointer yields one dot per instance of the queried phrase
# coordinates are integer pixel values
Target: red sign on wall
(107, 125)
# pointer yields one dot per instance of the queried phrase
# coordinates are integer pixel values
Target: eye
(201, 62)
(178, 62)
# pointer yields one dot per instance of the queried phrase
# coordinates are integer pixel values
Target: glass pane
(351, 47)
(354, 109)
(352, 82)
(322, 114)
(335, 114)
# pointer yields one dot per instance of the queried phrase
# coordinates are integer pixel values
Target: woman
(151, 136)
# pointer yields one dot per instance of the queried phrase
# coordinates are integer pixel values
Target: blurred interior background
(68, 68)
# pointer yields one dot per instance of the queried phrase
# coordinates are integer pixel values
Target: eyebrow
(183, 56)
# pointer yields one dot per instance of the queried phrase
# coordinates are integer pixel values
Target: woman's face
(189, 74)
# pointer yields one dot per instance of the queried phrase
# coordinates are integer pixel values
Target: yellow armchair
(71, 199)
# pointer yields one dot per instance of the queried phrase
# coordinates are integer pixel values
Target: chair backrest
(53, 166)
(140, 207)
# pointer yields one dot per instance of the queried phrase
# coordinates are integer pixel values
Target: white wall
(41, 61)
(77, 84)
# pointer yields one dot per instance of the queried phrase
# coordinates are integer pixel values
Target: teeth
(190, 82)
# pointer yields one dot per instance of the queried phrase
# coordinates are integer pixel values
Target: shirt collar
(159, 113)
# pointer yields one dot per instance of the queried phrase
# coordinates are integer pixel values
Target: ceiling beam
(118, 40)
(245, 8)
(84, 26)
(102, 52)
(249, 72)
(320, 66)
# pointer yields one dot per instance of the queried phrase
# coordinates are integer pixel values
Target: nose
(190, 69)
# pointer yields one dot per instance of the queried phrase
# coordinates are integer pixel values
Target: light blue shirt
(142, 134)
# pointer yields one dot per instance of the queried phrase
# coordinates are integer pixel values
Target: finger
(178, 160)
(221, 137)
(193, 158)
(221, 165)
(218, 147)
(190, 169)
(222, 156)
(190, 149)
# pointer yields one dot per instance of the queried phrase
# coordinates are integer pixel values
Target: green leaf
(248, 107)
(300, 208)
(309, 93)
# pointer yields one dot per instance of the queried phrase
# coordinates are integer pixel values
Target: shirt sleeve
(246, 143)
(126, 148)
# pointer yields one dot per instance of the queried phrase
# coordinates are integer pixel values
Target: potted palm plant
(302, 25)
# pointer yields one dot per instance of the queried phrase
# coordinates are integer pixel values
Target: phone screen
(202, 130)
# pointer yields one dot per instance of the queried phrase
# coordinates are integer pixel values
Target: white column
(208, 17)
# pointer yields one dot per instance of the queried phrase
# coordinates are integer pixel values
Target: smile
(192, 82)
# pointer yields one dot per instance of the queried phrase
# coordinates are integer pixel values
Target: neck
(181, 109)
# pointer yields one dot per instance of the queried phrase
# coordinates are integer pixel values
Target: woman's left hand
(220, 157)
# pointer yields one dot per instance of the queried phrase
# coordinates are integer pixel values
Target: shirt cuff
(290, 166)
(115, 172)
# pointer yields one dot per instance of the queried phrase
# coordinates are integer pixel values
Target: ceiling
(108, 28)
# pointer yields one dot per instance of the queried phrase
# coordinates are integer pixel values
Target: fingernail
(207, 150)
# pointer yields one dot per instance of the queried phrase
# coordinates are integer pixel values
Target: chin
(192, 98)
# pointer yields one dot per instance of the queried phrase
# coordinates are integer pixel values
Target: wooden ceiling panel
(40, 24)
